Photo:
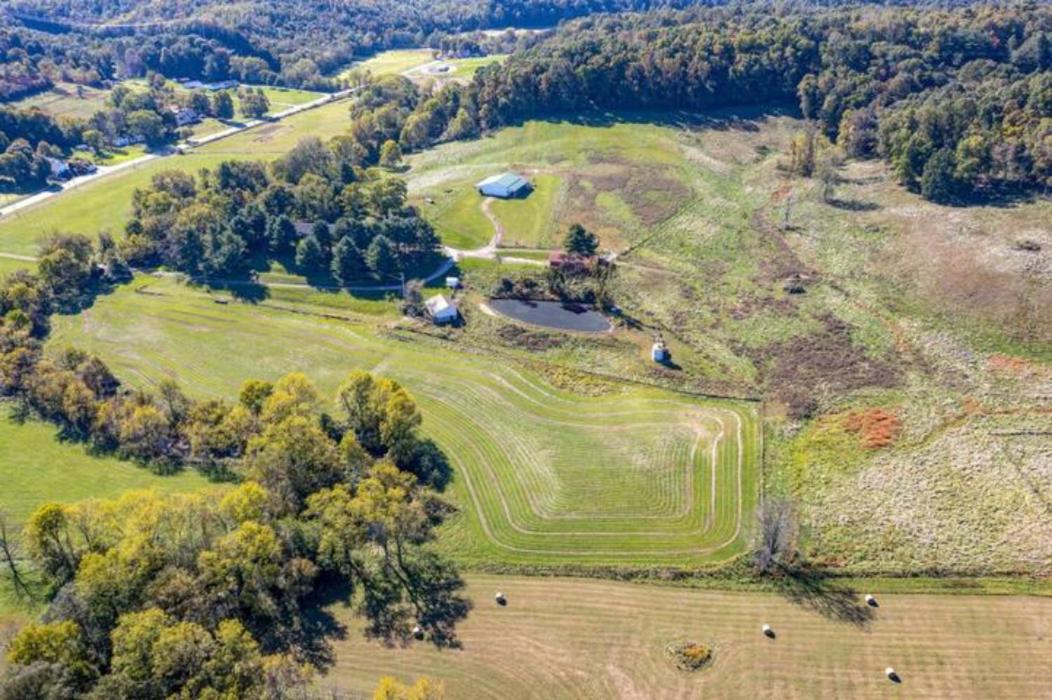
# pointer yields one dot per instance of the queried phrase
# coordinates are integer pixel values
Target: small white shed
(441, 310)
(659, 352)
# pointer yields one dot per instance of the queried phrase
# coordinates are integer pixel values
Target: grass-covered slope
(542, 476)
(37, 466)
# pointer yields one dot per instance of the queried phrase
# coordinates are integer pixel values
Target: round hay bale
(500, 598)
(768, 631)
(892, 675)
(871, 601)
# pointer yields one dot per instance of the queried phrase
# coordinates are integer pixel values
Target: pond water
(553, 314)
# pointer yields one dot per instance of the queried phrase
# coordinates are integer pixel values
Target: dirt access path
(490, 250)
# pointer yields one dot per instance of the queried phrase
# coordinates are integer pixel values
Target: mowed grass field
(543, 477)
(105, 204)
(36, 466)
(392, 62)
(568, 638)
(465, 68)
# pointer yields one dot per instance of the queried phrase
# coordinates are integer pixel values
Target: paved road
(107, 170)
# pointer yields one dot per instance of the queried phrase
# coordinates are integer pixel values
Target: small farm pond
(553, 314)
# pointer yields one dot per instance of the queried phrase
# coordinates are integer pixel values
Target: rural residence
(441, 310)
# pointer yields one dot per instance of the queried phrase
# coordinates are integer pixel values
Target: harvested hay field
(544, 477)
(567, 638)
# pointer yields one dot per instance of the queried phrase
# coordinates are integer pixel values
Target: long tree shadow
(816, 590)
(317, 626)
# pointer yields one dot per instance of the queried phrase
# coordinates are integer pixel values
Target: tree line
(302, 40)
(214, 594)
(964, 93)
(316, 209)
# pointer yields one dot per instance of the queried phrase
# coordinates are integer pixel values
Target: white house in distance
(504, 186)
(441, 310)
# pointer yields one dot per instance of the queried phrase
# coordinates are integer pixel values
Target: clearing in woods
(572, 638)
(635, 476)
(391, 62)
(619, 178)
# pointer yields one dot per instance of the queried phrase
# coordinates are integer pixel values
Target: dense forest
(292, 43)
(958, 101)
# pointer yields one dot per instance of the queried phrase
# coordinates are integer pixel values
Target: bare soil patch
(800, 371)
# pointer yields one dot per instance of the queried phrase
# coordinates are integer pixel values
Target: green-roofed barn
(505, 186)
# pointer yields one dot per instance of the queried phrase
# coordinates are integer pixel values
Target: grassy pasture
(458, 218)
(568, 638)
(62, 101)
(9, 265)
(543, 477)
(392, 62)
(465, 68)
(282, 98)
(106, 203)
(619, 177)
(528, 222)
(36, 466)
(460, 70)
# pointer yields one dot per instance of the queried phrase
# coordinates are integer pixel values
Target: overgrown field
(542, 476)
(567, 638)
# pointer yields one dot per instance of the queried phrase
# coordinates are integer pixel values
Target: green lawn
(465, 68)
(392, 62)
(636, 476)
(36, 466)
(106, 203)
(282, 98)
(529, 221)
(113, 156)
(458, 218)
(9, 265)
